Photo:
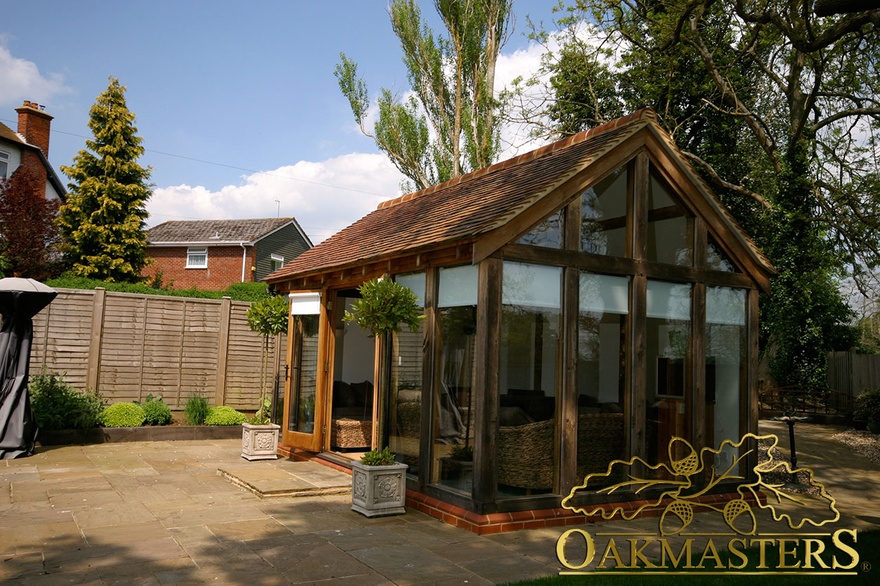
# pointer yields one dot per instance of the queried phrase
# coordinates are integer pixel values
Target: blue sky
(236, 101)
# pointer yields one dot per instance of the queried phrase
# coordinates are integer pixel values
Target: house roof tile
(213, 231)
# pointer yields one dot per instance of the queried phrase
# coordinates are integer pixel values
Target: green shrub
(156, 411)
(384, 457)
(868, 405)
(195, 410)
(123, 415)
(57, 405)
(225, 416)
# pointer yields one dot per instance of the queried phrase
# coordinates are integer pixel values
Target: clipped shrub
(383, 457)
(123, 415)
(156, 411)
(225, 416)
(57, 405)
(196, 410)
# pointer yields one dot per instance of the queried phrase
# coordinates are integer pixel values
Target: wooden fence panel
(62, 342)
(146, 344)
(121, 350)
(244, 359)
(853, 373)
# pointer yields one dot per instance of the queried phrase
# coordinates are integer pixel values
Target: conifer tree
(102, 222)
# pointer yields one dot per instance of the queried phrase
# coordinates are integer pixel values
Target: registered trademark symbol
(866, 566)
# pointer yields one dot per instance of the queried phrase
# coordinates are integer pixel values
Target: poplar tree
(102, 223)
(449, 124)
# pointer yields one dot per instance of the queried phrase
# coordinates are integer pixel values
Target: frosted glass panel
(604, 294)
(669, 300)
(726, 306)
(531, 285)
(415, 282)
(458, 286)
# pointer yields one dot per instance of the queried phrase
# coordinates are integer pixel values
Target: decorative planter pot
(259, 442)
(378, 490)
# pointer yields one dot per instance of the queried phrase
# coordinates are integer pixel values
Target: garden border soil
(100, 435)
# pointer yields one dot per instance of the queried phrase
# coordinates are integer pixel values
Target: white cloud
(324, 196)
(22, 80)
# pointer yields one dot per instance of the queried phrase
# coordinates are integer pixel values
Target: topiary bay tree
(267, 317)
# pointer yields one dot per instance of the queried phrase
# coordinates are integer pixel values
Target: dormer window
(277, 261)
(196, 258)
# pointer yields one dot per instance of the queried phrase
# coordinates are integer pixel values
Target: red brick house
(213, 254)
(29, 148)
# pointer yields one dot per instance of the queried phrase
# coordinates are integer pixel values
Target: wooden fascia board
(556, 197)
(366, 269)
(671, 166)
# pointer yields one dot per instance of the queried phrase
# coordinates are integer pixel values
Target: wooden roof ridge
(643, 115)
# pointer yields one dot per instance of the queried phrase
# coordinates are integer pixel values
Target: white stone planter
(259, 442)
(378, 490)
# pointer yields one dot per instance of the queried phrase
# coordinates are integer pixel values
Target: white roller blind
(458, 286)
(532, 285)
(669, 300)
(305, 303)
(415, 282)
(604, 294)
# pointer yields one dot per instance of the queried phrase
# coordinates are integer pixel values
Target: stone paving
(164, 513)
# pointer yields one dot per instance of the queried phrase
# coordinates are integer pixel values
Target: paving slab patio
(194, 512)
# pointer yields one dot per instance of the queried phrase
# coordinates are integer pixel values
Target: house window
(4, 164)
(277, 261)
(196, 258)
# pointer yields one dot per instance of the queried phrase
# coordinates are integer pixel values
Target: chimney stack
(34, 124)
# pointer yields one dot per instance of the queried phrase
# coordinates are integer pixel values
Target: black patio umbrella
(20, 301)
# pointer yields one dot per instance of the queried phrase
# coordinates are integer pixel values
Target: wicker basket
(525, 455)
(348, 433)
(600, 440)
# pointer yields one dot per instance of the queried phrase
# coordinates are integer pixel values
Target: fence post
(97, 333)
(222, 349)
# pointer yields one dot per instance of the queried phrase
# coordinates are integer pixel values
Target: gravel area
(863, 442)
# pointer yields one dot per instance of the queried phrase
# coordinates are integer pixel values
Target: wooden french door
(302, 423)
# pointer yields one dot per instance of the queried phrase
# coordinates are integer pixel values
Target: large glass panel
(603, 215)
(667, 334)
(547, 234)
(405, 388)
(301, 417)
(670, 227)
(725, 362)
(352, 407)
(602, 316)
(453, 398)
(529, 377)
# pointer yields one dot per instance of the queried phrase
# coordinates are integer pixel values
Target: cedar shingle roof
(213, 231)
(464, 208)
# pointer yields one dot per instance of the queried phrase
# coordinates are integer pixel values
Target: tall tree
(779, 110)
(28, 234)
(102, 223)
(448, 125)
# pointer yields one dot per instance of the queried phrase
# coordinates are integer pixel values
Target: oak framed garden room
(583, 302)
